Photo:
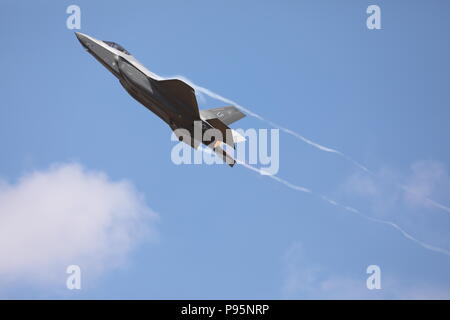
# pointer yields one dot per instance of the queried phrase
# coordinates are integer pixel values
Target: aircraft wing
(182, 92)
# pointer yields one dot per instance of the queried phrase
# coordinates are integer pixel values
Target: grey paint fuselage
(141, 83)
(173, 100)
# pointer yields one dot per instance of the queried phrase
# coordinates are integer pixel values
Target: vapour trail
(271, 123)
(300, 137)
(347, 208)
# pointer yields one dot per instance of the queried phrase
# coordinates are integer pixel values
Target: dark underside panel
(182, 93)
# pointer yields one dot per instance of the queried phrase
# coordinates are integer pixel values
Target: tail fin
(220, 118)
(227, 115)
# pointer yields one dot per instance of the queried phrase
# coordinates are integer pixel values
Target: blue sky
(378, 96)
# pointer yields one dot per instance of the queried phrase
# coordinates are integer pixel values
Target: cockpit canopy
(116, 46)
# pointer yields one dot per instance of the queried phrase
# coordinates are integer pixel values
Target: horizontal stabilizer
(227, 115)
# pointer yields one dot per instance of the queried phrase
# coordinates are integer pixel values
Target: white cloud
(305, 279)
(378, 190)
(405, 199)
(425, 179)
(67, 215)
(300, 274)
(388, 188)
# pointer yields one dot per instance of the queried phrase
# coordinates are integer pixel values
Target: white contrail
(426, 199)
(347, 208)
(337, 204)
(299, 136)
(326, 149)
(271, 123)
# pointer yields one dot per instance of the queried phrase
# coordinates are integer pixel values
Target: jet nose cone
(82, 38)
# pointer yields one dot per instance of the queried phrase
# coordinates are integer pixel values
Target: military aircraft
(173, 100)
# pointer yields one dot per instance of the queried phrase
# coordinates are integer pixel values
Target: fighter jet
(173, 100)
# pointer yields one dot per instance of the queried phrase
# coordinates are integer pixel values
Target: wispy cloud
(353, 210)
(67, 215)
(406, 206)
(307, 279)
(426, 180)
